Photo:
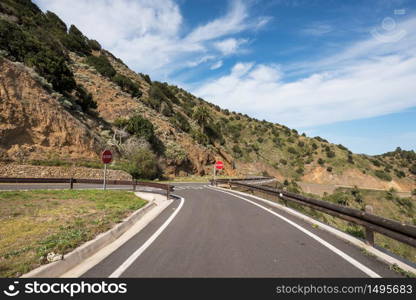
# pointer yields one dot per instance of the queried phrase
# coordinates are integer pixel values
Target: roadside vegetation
(385, 204)
(34, 224)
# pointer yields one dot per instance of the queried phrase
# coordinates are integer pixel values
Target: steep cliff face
(33, 122)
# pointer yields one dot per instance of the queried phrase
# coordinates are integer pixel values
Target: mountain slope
(74, 99)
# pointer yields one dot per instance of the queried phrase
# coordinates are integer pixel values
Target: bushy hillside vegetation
(165, 126)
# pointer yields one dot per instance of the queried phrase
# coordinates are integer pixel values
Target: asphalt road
(215, 234)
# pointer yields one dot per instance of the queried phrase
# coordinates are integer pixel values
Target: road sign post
(106, 158)
(219, 165)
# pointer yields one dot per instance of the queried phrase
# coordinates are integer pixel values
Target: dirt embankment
(28, 171)
(353, 177)
(33, 123)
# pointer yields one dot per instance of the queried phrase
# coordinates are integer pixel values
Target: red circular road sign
(107, 156)
(219, 165)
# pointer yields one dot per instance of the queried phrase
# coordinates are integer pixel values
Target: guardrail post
(168, 192)
(369, 234)
(283, 199)
(229, 184)
(71, 183)
(134, 185)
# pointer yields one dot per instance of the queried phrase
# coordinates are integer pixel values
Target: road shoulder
(376, 259)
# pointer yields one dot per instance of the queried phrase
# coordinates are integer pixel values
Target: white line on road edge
(123, 267)
(345, 256)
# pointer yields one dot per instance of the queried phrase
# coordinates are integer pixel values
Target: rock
(52, 256)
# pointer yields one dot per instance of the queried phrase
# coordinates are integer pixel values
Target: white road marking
(124, 266)
(345, 256)
(186, 187)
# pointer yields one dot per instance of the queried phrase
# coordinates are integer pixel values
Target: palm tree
(202, 116)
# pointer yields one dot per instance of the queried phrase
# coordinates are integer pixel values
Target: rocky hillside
(63, 97)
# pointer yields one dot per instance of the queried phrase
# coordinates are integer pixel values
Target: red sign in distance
(107, 156)
(219, 165)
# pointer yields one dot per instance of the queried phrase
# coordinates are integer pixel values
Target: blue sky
(343, 70)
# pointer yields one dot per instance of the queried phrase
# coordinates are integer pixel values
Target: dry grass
(35, 223)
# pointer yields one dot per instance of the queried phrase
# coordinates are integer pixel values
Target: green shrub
(356, 231)
(213, 132)
(314, 146)
(237, 150)
(329, 169)
(146, 78)
(94, 45)
(166, 90)
(340, 198)
(412, 169)
(54, 22)
(127, 85)
(142, 164)
(102, 65)
(202, 116)
(276, 141)
(85, 99)
(330, 154)
(350, 159)
(406, 202)
(300, 171)
(46, 57)
(75, 41)
(179, 121)
(255, 148)
(383, 175)
(157, 94)
(342, 147)
(199, 137)
(390, 195)
(301, 144)
(321, 161)
(120, 122)
(356, 193)
(166, 109)
(283, 161)
(140, 127)
(152, 103)
(376, 162)
(292, 150)
(399, 173)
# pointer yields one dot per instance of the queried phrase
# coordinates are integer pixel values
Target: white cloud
(217, 65)
(112, 21)
(317, 29)
(149, 34)
(232, 22)
(229, 46)
(200, 60)
(262, 22)
(369, 78)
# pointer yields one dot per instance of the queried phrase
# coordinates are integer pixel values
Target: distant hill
(64, 98)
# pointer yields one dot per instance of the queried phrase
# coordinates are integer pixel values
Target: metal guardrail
(404, 233)
(71, 181)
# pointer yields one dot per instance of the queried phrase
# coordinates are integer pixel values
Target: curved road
(217, 234)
